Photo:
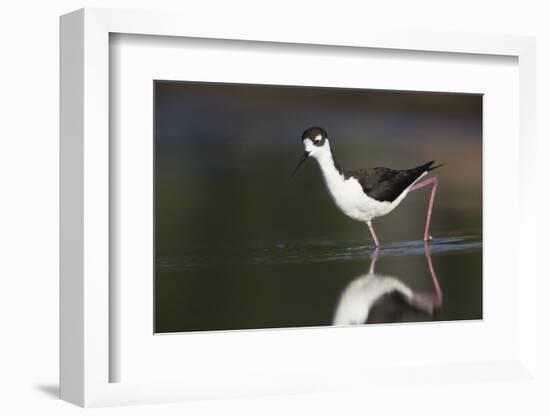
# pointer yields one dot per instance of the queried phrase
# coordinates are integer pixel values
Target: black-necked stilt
(363, 292)
(368, 193)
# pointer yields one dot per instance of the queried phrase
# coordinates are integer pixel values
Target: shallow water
(318, 283)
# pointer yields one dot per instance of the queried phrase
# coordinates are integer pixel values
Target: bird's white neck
(331, 174)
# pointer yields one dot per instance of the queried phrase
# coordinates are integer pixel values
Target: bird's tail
(429, 166)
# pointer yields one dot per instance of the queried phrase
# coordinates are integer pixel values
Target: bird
(369, 289)
(367, 193)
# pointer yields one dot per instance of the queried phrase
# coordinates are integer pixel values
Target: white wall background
(29, 199)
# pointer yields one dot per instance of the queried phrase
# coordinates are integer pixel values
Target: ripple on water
(313, 252)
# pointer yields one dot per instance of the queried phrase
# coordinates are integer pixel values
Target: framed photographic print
(272, 213)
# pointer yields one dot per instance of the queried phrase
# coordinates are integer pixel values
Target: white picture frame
(85, 219)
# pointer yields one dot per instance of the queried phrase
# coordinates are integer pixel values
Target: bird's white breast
(349, 197)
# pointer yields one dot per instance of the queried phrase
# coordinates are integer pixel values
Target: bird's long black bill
(302, 160)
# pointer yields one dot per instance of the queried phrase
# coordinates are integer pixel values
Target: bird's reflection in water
(375, 298)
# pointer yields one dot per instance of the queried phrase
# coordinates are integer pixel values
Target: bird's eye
(317, 140)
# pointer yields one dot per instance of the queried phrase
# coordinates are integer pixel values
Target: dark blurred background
(240, 244)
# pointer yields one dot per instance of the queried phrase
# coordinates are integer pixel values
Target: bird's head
(315, 141)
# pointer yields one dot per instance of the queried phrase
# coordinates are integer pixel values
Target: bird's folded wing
(384, 184)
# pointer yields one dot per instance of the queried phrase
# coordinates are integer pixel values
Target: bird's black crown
(315, 133)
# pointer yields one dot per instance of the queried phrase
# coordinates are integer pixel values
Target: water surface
(292, 284)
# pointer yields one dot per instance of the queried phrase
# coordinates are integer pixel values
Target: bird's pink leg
(376, 243)
(431, 181)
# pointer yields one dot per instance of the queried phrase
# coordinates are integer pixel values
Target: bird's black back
(384, 184)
